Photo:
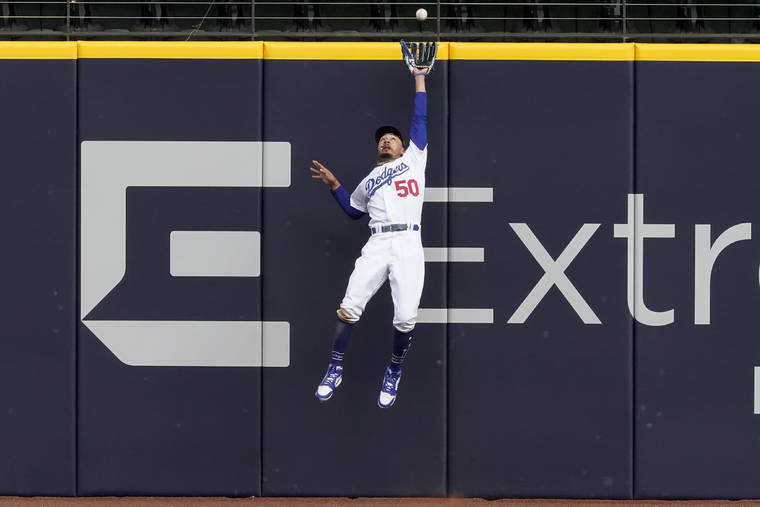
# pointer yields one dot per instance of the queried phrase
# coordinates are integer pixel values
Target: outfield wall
(172, 272)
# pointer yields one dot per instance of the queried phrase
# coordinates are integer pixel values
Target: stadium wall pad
(172, 272)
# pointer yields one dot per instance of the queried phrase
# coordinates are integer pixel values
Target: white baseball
(421, 14)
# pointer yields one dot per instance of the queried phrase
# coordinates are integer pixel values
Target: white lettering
(635, 231)
(554, 273)
(704, 258)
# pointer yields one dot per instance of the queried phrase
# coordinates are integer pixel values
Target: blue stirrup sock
(343, 332)
(401, 343)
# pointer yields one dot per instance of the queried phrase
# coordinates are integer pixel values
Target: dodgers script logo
(384, 178)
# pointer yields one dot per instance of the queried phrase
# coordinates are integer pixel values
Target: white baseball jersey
(393, 193)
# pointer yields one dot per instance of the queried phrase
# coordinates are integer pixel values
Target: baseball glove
(419, 55)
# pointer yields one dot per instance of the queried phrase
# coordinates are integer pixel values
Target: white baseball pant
(395, 256)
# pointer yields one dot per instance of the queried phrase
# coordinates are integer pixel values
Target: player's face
(389, 148)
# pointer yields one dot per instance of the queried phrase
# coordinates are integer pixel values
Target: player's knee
(347, 316)
(405, 326)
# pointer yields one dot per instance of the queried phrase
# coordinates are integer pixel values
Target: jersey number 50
(405, 188)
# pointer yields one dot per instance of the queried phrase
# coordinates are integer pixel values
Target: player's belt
(394, 228)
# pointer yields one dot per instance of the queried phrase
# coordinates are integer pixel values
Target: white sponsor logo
(635, 231)
(108, 168)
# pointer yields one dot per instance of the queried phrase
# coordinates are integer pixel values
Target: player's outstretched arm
(418, 129)
(419, 80)
(340, 194)
(419, 58)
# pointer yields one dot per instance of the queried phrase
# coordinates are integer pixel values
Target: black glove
(419, 55)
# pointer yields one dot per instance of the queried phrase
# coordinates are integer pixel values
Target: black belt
(394, 228)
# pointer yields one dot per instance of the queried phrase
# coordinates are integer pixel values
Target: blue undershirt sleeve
(418, 130)
(341, 195)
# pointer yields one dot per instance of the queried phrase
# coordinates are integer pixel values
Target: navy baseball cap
(388, 129)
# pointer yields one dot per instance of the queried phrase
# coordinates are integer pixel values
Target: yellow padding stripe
(340, 51)
(380, 51)
(166, 50)
(38, 50)
(540, 51)
(698, 52)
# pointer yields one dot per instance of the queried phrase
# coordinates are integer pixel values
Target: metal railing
(536, 20)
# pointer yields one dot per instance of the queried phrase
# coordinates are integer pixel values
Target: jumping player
(392, 194)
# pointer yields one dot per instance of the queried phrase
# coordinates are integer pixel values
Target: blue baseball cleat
(389, 388)
(332, 380)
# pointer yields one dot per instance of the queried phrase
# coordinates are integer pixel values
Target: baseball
(421, 14)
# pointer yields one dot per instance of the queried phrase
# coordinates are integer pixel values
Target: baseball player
(392, 194)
